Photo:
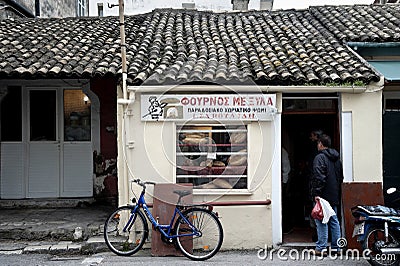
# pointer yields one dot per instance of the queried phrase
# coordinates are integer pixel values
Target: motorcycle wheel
(374, 241)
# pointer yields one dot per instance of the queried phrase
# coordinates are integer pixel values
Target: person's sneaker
(322, 253)
(334, 252)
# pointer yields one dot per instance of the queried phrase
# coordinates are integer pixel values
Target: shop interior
(299, 119)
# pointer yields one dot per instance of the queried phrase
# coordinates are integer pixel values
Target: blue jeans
(322, 231)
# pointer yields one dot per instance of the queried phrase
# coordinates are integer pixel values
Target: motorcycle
(377, 228)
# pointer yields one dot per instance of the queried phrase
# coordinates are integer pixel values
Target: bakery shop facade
(226, 142)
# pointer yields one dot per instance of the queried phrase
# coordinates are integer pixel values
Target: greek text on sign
(251, 107)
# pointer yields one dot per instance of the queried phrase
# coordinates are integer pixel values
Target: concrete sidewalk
(71, 229)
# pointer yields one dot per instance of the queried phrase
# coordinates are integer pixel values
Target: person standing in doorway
(314, 137)
(326, 183)
(286, 195)
(285, 166)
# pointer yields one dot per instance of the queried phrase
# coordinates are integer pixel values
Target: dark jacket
(327, 176)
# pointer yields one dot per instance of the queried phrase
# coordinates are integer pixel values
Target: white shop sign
(244, 107)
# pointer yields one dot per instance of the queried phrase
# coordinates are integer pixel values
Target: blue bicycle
(195, 230)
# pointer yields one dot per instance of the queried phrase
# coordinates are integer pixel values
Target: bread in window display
(238, 159)
(238, 137)
(194, 138)
(188, 162)
(218, 164)
(191, 140)
(207, 163)
(212, 163)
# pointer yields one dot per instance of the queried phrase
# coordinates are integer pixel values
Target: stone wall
(56, 8)
(48, 8)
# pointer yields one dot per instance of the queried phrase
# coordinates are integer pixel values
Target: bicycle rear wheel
(209, 240)
(124, 231)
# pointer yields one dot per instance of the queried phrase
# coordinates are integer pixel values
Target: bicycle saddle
(182, 193)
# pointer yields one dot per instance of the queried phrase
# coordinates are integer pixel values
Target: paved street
(144, 258)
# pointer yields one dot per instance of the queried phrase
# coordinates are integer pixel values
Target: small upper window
(293, 105)
(100, 10)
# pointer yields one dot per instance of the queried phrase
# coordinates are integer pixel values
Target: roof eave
(246, 89)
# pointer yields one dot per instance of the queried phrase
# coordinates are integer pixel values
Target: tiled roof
(387, 1)
(286, 47)
(377, 23)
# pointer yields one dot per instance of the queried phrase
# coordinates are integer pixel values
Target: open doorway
(301, 116)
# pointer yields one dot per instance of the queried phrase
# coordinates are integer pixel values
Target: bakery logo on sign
(156, 108)
(251, 107)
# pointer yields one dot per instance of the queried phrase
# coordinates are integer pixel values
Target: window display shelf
(212, 131)
(226, 153)
(212, 176)
(199, 168)
(223, 171)
(213, 145)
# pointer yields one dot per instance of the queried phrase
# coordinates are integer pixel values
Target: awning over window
(389, 69)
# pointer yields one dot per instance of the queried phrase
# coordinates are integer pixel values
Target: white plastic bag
(327, 210)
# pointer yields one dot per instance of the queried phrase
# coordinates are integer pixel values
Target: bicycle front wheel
(208, 234)
(125, 231)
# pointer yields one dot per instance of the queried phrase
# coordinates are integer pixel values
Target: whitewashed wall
(366, 113)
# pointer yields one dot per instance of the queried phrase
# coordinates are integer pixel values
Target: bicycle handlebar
(141, 183)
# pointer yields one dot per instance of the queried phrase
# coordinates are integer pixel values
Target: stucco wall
(150, 155)
(366, 110)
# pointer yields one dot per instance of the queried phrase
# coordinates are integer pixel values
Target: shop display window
(212, 156)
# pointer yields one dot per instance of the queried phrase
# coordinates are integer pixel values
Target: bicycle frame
(163, 229)
(195, 230)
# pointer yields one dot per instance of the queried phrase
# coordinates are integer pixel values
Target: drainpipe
(125, 99)
(123, 167)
